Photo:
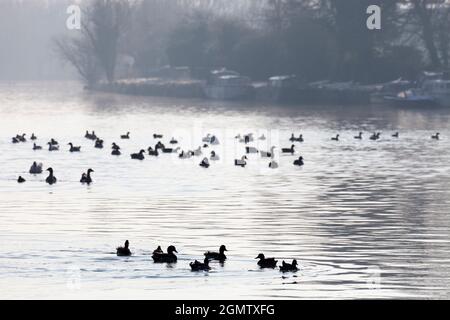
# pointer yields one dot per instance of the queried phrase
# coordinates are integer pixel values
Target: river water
(364, 219)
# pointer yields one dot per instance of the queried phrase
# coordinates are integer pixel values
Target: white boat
(439, 90)
(227, 85)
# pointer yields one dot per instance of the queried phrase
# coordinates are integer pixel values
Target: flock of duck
(208, 141)
(159, 256)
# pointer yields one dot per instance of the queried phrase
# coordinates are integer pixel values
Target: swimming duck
(220, 256)
(294, 139)
(204, 163)
(286, 267)
(299, 162)
(36, 147)
(86, 178)
(157, 136)
(205, 145)
(262, 138)
(214, 156)
(273, 164)
(335, 138)
(36, 168)
(138, 156)
(114, 146)
(374, 136)
(52, 147)
(99, 143)
(22, 138)
(53, 142)
(160, 145)
(33, 137)
(21, 180)
(125, 136)
(395, 135)
(268, 154)
(168, 257)
(289, 150)
(115, 150)
(157, 250)
(152, 152)
(173, 141)
(241, 163)
(198, 266)
(359, 136)
(251, 150)
(51, 179)
(266, 262)
(436, 136)
(125, 250)
(90, 136)
(170, 150)
(74, 149)
(15, 140)
(197, 152)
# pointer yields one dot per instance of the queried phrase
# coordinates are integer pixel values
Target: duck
(251, 150)
(125, 250)
(185, 155)
(115, 150)
(22, 137)
(15, 140)
(266, 262)
(197, 152)
(262, 137)
(395, 135)
(289, 150)
(90, 136)
(36, 168)
(152, 152)
(114, 146)
(286, 267)
(214, 156)
(170, 150)
(160, 145)
(299, 162)
(52, 147)
(21, 180)
(294, 139)
(436, 136)
(335, 138)
(220, 256)
(268, 154)
(36, 147)
(204, 163)
(168, 257)
(374, 136)
(241, 162)
(157, 136)
(51, 179)
(157, 250)
(98, 143)
(359, 136)
(173, 141)
(205, 146)
(53, 142)
(125, 136)
(138, 156)
(33, 137)
(273, 164)
(74, 149)
(86, 178)
(198, 266)
(207, 138)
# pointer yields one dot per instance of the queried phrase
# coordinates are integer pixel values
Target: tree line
(314, 39)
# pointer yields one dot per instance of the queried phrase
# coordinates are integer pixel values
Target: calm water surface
(364, 219)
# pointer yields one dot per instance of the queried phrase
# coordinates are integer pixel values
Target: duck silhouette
(86, 178)
(52, 147)
(359, 136)
(299, 162)
(73, 149)
(115, 149)
(290, 150)
(36, 168)
(21, 180)
(53, 142)
(286, 267)
(395, 135)
(98, 143)
(15, 140)
(36, 147)
(157, 136)
(436, 136)
(198, 266)
(152, 152)
(335, 138)
(204, 163)
(33, 137)
(125, 136)
(125, 250)
(22, 137)
(168, 257)
(266, 262)
(51, 179)
(138, 156)
(241, 162)
(173, 141)
(220, 256)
